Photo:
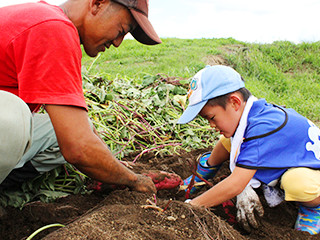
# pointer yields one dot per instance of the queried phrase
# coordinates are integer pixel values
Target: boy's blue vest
(276, 139)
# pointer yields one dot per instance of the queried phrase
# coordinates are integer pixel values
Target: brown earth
(118, 214)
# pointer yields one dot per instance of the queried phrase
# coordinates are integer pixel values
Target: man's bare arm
(82, 148)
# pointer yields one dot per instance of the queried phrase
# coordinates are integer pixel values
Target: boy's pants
(26, 139)
(299, 184)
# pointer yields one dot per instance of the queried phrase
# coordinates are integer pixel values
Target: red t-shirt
(40, 55)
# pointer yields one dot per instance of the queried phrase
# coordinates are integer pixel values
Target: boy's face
(223, 120)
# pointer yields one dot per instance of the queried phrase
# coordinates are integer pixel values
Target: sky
(253, 21)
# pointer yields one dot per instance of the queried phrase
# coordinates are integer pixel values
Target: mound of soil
(122, 214)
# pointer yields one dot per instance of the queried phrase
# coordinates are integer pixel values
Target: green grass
(282, 72)
(173, 57)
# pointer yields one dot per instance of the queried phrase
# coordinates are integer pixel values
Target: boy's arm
(226, 189)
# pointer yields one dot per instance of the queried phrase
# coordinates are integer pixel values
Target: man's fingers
(144, 184)
(151, 188)
(164, 180)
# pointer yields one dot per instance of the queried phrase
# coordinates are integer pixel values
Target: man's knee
(16, 121)
(15, 130)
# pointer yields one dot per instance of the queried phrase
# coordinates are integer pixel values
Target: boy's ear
(235, 100)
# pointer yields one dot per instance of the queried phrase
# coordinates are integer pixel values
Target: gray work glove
(273, 195)
(247, 203)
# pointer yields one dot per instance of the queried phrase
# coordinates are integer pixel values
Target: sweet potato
(161, 179)
(164, 180)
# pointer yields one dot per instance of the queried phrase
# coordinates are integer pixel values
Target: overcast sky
(247, 20)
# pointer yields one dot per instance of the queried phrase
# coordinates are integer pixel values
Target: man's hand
(144, 184)
(88, 153)
(247, 202)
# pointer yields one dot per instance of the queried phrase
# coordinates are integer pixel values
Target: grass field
(282, 72)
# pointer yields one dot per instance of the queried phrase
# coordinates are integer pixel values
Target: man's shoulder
(30, 14)
(17, 21)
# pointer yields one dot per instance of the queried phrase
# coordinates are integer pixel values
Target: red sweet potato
(164, 180)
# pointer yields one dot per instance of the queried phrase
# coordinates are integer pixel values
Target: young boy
(269, 144)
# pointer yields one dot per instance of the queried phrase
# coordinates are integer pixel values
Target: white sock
(206, 164)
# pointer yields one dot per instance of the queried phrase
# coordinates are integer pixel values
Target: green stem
(63, 186)
(65, 180)
(63, 190)
(44, 228)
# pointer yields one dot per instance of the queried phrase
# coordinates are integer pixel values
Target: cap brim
(144, 32)
(191, 112)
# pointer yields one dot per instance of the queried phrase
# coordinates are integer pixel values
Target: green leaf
(179, 91)
(49, 196)
(148, 80)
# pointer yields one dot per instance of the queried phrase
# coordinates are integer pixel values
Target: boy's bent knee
(226, 142)
(301, 184)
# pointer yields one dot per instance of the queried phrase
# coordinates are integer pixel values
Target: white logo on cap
(193, 86)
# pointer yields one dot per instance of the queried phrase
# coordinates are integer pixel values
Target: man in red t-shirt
(40, 64)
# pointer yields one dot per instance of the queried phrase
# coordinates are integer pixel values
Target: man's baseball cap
(208, 83)
(144, 32)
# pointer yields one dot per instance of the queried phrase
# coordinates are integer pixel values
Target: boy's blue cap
(208, 83)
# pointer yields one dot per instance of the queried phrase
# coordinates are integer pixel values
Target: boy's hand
(247, 202)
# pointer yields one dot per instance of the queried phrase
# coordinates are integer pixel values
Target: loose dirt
(118, 214)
